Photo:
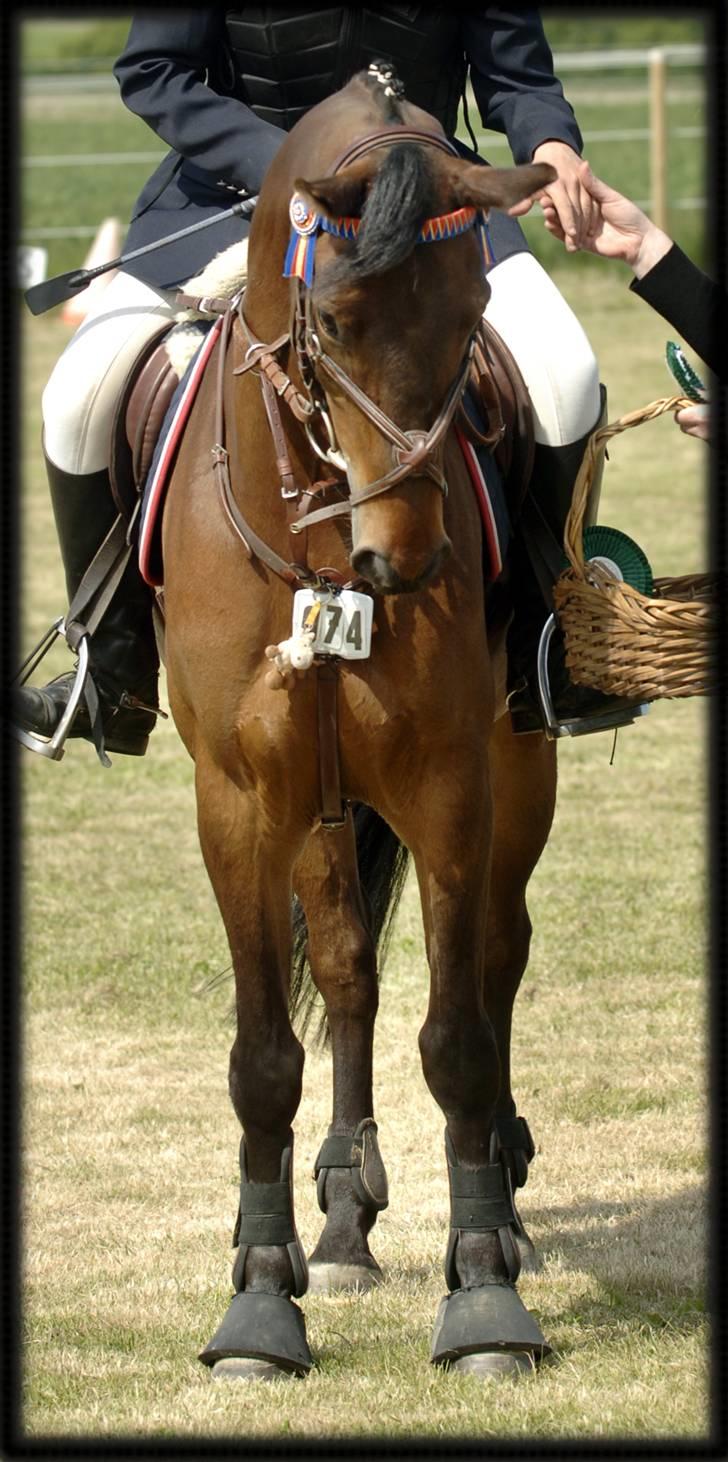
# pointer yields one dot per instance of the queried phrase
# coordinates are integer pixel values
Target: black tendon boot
(538, 558)
(123, 658)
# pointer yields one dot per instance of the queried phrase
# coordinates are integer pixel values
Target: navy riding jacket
(172, 74)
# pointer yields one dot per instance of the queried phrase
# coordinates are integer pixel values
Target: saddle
(504, 418)
(506, 407)
(140, 412)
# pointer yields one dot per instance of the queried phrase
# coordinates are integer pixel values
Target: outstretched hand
(619, 229)
(566, 201)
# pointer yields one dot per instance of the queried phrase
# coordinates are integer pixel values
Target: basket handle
(573, 536)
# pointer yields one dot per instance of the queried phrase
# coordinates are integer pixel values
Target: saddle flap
(504, 399)
(140, 411)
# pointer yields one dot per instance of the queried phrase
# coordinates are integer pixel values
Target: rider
(222, 87)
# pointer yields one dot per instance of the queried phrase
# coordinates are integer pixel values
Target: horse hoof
(259, 1331)
(495, 1365)
(335, 1278)
(245, 1368)
(487, 1330)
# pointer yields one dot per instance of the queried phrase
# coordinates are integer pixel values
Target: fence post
(658, 138)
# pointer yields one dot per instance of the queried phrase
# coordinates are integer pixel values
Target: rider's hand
(695, 421)
(566, 202)
(620, 229)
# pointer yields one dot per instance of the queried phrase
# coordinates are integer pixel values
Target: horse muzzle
(385, 577)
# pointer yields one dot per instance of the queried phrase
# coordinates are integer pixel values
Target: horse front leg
(249, 857)
(523, 778)
(350, 1177)
(482, 1324)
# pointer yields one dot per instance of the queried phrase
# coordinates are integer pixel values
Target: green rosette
(688, 380)
(621, 555)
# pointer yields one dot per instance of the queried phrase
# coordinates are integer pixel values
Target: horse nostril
(381, 574)
(376, 569)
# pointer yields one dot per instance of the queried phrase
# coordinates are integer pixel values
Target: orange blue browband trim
(306, 225)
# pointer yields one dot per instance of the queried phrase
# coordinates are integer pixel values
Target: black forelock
(399, 200)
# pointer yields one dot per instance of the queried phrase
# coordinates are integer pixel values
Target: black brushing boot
(123, 657)
(538, 559)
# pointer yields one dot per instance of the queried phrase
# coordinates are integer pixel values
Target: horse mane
(401, 194)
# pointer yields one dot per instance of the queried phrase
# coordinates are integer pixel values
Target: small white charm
(295, 653)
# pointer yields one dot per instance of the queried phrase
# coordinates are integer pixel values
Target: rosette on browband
(307, 224)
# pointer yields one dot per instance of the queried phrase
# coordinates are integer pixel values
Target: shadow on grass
(641, 1255)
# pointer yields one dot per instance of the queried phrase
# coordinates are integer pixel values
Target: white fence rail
(616, 59)
(654, 62)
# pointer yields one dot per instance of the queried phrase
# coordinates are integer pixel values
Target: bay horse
(363, 364)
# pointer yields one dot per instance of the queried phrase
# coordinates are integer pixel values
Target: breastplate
(288, 59)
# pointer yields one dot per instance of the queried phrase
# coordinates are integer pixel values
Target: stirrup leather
(87, 608)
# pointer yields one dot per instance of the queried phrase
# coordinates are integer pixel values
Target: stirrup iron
(55, 746)
(575, 725)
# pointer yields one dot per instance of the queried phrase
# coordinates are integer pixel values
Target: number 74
(353, 635)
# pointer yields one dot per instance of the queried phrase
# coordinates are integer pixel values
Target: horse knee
(265, 1080)
(460, 1060)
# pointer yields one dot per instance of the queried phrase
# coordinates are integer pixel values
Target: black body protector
(285, 61)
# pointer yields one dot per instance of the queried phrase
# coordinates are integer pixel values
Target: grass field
(129, 1141)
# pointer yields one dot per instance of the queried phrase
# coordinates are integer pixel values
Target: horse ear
(341, 196)
(486, 187)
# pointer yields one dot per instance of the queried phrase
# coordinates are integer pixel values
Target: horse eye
(328, 324)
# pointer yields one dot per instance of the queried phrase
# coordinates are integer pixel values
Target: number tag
(344, 626)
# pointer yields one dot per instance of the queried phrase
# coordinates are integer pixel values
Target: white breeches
(87, 381)
(553, 353)
(525, 307)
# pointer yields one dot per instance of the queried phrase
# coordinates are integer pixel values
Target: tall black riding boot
(123, 656)
(538, 558)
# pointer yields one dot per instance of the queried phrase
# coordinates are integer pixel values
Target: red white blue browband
(306, 225)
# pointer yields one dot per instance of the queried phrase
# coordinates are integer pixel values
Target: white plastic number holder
(344, 625)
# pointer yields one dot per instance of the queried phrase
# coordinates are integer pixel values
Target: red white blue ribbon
(306, 225)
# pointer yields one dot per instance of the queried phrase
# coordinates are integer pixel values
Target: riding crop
(42, 297)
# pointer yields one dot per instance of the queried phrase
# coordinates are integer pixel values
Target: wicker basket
(617, 639)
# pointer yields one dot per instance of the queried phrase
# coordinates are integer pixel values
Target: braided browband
(444, 227)
(306, 224)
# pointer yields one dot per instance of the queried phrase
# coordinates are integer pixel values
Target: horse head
(384, 324)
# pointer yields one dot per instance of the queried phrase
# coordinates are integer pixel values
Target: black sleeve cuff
(679, 291)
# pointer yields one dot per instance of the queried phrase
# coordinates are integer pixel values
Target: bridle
(414, 452)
